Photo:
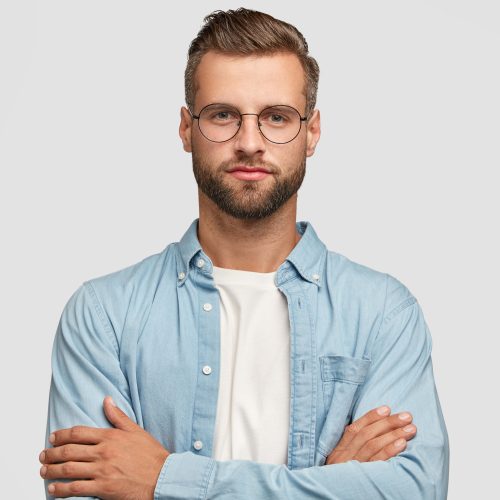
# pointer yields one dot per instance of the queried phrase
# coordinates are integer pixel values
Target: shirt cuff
(184, 476)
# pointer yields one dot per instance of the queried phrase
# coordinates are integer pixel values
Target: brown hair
(248, 32)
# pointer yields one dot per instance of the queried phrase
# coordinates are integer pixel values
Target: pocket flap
(344, 368)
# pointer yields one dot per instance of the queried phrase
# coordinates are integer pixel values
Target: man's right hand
(377, 435)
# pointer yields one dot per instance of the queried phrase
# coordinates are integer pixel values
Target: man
(237, 357)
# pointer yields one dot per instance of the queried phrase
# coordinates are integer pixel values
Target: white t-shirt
(253, 407)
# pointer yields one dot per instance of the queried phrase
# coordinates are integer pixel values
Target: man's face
(249, 177)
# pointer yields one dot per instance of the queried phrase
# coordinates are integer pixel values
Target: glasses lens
(219, 122)
(280, 124)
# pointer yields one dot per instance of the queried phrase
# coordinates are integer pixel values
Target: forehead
(251, 82)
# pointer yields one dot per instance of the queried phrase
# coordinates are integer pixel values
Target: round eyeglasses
(221, 122)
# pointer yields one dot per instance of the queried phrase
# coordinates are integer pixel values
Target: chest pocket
(341, 377)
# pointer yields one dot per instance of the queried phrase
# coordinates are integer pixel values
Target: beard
(251, 200)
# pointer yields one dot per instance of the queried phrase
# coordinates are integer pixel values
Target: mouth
(245, 173)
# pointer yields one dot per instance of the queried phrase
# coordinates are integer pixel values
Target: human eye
(221, 115)
(275, 117)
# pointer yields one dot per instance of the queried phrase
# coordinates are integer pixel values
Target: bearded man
(246, 361)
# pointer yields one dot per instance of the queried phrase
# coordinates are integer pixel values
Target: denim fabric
(358, 340)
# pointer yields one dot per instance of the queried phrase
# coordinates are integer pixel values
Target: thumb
(117, 417)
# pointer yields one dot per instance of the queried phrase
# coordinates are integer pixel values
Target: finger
(353, 429)
(79, 434)
(73, 489)
(390, 451)
(68, 452)
(377, 444)
(379, 428)
(117, 417)
(69, 470)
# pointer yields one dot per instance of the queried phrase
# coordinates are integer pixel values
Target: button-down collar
(307, 259)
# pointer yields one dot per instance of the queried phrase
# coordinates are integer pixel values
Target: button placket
(207, 385)
(303, 378)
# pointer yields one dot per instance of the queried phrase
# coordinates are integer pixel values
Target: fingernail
(400, 443)
(404, 416)
(383, 410)
(42, 457)
(111, 401)
(51, 488)
(52, 438)
(43, 470)
(410, 428)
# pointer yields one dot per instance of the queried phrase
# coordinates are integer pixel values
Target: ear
(185, 129)
(313, 132)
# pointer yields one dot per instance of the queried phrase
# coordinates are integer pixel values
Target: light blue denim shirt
(358, 340)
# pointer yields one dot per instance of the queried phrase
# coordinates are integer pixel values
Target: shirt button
(207, 370)
(181, 276)
(200, 263)
(315, 277)
(198, 445)
(207, 307)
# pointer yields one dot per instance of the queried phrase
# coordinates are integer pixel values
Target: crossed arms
(125, 462)
(93, 460)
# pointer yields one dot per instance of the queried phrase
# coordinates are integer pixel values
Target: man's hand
(377, 435)
(113, 464)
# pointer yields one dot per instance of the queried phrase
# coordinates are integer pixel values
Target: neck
(260, 245)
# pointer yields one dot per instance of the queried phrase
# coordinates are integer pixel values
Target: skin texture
(124, 462)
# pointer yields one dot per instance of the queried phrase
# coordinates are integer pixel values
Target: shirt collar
(307, 258)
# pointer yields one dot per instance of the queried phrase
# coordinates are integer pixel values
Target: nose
(249, 140)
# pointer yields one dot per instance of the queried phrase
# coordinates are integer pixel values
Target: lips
(243, 168)
(245, 173)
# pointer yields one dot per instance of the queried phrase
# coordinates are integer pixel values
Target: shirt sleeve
(85, 368)
(401, 377)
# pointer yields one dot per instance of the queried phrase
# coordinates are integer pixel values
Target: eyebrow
(264, 106)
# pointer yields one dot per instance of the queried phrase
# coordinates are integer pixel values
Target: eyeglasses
(221, 122)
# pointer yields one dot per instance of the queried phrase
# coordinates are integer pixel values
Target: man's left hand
(113, 464)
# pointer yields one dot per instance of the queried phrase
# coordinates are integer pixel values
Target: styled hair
(248, 32)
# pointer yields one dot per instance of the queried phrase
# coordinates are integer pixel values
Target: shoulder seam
(374, 338)
(385, 301)
(100, 312)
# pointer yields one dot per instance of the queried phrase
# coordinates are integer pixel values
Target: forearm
(186, 476)
(85, 368)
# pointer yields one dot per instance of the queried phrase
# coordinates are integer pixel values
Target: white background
(405, 180)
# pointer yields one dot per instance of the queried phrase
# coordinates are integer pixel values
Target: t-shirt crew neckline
(226, 276)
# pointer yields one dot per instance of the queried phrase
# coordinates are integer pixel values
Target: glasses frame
(197, 117)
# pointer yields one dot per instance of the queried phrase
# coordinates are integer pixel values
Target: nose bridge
(250, 123)
(249, 136)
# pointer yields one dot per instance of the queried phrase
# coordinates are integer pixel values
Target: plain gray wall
(94, 178)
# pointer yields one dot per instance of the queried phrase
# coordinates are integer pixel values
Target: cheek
(210, 153)
(290, 155)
